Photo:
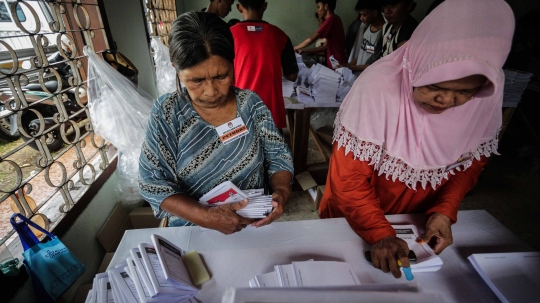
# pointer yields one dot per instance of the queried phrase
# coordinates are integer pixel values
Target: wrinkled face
(208, 83)
(367, 16)
(224, 7)
(437, 98)
(321, 9)
(396, 13)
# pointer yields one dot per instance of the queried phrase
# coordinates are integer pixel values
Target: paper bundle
(308, 274)
(288, 87)
(426, 259)
(153, 273)
(345, 84)
(325, 83)
(259, 205)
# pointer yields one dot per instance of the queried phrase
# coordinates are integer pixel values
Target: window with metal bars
(160, 15)
(49, 153)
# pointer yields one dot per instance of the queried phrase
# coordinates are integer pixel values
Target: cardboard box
(105, 262)
(310, 186)
(82, 293)
(119, 221)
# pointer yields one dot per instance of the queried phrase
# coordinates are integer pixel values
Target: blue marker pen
(407, 270)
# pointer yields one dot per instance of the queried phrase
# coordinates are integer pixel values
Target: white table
(233, 260)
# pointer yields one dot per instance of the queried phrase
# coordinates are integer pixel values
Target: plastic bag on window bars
(119, 112)
(165, 72)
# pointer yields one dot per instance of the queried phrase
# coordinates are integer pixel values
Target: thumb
(428, 235)
(238, 205)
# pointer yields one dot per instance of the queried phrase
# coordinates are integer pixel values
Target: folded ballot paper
(157, 272)
(325, 83)
(426, 259)
(259, 205)
(307, 274)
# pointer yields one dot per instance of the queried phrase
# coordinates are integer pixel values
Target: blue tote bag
(50, 264)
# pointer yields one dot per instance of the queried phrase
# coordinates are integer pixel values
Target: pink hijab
(379, 121)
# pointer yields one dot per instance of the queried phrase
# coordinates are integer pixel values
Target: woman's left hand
(279, 198)
(438, 232)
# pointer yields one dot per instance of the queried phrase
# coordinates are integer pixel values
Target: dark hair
(392, 2)
(331, 4)
(196, 36)
(252, 4)
(368, 4)
(233, 22)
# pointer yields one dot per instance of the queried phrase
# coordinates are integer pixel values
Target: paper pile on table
(513, 277)
(153, 273)
(325, 83)
(259, 205)
(345, 84)
(288, 87)
(308, 274)
(426, 259)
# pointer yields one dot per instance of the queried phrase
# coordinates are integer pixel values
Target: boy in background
(400, 24)
(331, 29)
(219, 7)
(264, 53)
(368, 47)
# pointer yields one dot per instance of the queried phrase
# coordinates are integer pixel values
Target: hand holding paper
(438, 232)
(279, 197)
(224, 218)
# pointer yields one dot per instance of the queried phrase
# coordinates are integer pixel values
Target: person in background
(416, 129)
(220, 7)
(352, 32)
(331, 30)
(264, 54)
(233, 22)
(368, 47)
(320, 45)
(400, 24)
(185, 154)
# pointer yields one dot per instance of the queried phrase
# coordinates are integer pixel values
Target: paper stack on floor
(153, 273)
(426, 259)
(325, 83)
(259, 205)
(513, 277)
(308, 274)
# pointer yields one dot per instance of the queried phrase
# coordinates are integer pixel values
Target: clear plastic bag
(165, 72)
(119, 112)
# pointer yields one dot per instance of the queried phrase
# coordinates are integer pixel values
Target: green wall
(297, 17)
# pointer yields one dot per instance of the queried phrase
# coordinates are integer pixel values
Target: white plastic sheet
(165, 72)
(119, 112)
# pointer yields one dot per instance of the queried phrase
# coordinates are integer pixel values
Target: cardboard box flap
(112, 231)
(306, 181)
(143, 217)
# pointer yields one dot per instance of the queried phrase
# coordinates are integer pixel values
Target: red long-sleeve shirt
(355, 191)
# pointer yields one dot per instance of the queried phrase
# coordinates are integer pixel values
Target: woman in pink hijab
(417, 127)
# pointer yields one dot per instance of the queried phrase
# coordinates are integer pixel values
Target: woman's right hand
(224, 218)
(386, 252)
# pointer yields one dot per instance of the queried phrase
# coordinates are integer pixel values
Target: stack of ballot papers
(426, 259)
(513, 277)
(288, 87)
(307, 274)
(259, 205)
(153, 273)
(325, 83)
(345, 84)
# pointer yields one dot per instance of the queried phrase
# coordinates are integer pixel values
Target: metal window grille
(42, 104)
(160, 15)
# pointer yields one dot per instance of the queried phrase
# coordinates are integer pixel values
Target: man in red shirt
(264, 53)
(331, 29)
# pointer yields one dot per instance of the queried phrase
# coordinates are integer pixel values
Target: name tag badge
(458, 163)
(252, 28)
(232, 130)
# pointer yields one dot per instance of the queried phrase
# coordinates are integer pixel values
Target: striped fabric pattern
(182, 153)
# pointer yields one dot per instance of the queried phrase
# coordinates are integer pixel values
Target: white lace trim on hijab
(398, 169)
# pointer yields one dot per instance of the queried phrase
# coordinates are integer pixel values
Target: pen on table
(407, 271)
